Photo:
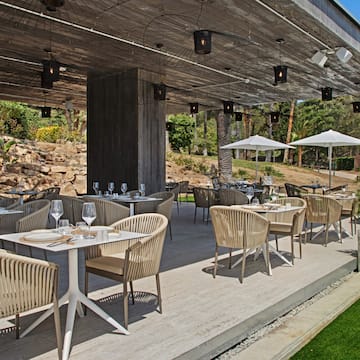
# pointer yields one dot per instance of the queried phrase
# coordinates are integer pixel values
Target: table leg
(75, 297)
(132, 209)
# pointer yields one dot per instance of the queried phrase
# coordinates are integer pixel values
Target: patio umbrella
(257, 143)
(328, 139)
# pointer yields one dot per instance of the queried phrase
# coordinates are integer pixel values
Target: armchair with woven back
(128, 261)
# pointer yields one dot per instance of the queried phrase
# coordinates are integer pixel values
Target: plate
(113, 235)
(43, 236)
(99, 228)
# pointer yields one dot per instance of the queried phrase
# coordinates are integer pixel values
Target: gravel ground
(234, 351)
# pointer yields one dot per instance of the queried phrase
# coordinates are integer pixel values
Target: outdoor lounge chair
(27, 284)
(204, 198)
(232, 197)
(236, 228)
(293, 190)
(128, 261)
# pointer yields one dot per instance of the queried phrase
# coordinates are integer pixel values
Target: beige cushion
(114, 263)
(280, 227)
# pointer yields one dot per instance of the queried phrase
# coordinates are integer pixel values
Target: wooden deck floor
(201, 316)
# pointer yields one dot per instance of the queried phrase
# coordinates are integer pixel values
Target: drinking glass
(142, 189)
(123, 188)
(88, 215)
(250, 193)
(56, 210)
(111, 187)
(64, 226)
(255, 201)
(96, 187)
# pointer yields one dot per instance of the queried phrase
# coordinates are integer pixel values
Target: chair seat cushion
(280, 227)
(113, 264)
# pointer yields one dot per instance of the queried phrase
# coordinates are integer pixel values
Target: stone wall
(38, 165)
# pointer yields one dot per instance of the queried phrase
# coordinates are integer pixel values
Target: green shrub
(345, 163)
(240, 173)
(49, 134)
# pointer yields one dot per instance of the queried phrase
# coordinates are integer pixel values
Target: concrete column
(126, 131)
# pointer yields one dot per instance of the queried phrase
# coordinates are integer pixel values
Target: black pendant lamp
(356, 106)
(202, 42)
(280, 72)
(51, 70)
(326, 94)
(45, 112)
(238, 116)
(194, 108)
(159, 91)
(46, 83)
(228, 107)
(274, 117)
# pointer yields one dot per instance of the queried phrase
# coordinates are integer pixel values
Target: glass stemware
(56, 210)
(96, 187)
(88, 215)
(111, 187)
(123, 188)
(250, 193)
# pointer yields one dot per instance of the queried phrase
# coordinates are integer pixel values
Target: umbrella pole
(256, 165)
(330, 163)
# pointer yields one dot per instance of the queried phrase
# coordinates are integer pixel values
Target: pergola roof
(157, 35)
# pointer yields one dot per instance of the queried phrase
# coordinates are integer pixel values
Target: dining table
(132, 200)
(55, 242)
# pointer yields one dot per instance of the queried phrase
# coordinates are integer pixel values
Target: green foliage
(240, 173)
(14, 119)
(345, 163)
(211, 136)
(190, 163)
(181, 132)
(49, 134)
(5, 146)
(338, 341)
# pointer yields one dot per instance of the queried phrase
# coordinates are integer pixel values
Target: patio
(201, 316)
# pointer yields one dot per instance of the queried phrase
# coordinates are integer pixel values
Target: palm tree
(224, 135)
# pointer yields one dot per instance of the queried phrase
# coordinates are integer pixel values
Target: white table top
(263, 209)
(75, 244)
(4, 211)
(128, 199)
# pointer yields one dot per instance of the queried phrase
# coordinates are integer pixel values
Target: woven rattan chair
(290, 223)
(129, 261)
(236, 228)
(6, 202)
(350, 208)
(184, 185)
(294, 190)
(323, 210)
(335, 189)
(204, 198)
(176, 191)
(232, 197)
(33, 216)
(108, 212)
(72, 208)
(163, 207)
(27, 284)
(49, 194)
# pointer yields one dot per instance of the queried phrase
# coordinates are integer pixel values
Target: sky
(353, 7)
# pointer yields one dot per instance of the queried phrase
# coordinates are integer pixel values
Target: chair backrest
(35, 215)
(232, 197)
(294, 201)
(205, 197)
(322, 209)
(335, 189)
(108, 212)
(49, 194)
(176, 190)
(25, 283)
(238, 228)
(72, 208)
(287, 216)
(294, 190)
(150, 223)
(7, 201)
(184, 186)
(165, 206)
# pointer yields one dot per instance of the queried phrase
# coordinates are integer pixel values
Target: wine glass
(56, 210)
(96, 187)
(88, 215)
(255, 201)
(142, 189)
(111, 187)
(124, 188)
(250, 193)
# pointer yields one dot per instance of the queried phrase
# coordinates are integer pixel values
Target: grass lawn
(338, 341)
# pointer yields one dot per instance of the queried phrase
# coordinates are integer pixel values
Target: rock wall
(38, 165)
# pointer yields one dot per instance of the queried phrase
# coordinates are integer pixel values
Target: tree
(224, 156)
(289, 130)
(181, 131)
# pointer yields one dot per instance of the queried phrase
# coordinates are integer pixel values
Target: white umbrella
(328, 139)
(257, 143)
